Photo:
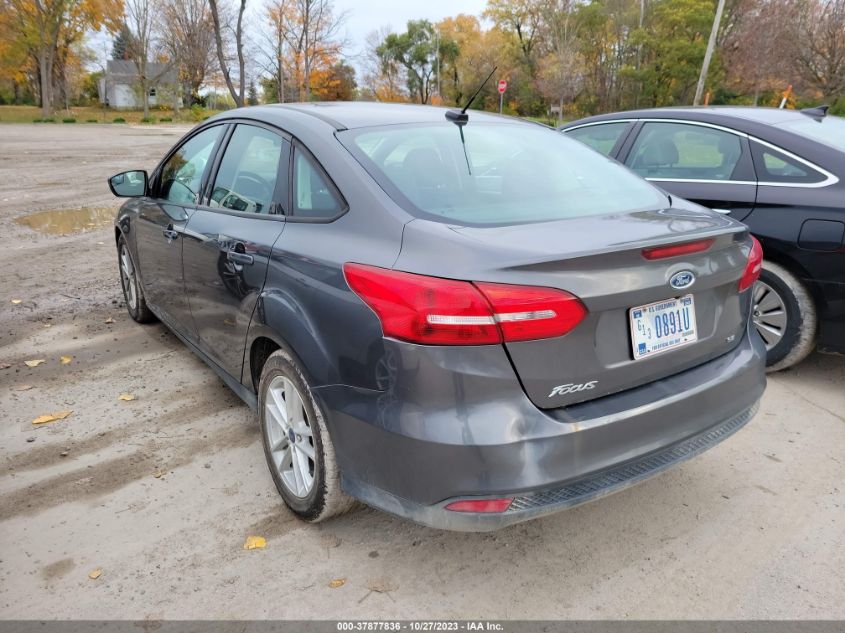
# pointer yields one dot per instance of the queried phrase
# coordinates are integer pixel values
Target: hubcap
(127, 278)
(289, 436)
(768, 314)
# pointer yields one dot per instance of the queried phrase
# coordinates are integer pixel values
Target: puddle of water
(64, 221)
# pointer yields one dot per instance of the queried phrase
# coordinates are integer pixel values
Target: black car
(781, 172)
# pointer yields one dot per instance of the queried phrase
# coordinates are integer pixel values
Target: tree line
(569, 57)
(581, 57)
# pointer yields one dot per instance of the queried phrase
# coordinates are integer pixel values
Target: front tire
(133, 294)
(785, 316)
(297, 444)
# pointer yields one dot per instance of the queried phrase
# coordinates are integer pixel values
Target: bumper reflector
(480, 505)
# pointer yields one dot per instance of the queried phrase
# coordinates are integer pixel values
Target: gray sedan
(467, 322)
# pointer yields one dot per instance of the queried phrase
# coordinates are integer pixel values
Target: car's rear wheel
(133, 294)
(297, 444)
(785, 316)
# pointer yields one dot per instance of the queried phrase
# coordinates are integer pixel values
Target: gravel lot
(159, 493)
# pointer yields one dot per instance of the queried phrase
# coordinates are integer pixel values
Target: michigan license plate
(661, 326)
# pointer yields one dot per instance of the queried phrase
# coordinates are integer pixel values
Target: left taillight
(753, 267)
(436, 311)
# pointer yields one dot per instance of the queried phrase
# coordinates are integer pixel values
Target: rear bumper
(542, 502)
(455, 424)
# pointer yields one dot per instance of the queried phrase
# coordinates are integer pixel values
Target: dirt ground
(160, 492)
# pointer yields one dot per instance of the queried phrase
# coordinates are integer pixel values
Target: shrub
(69, 120)
(165, 119)
(37, 120)
(91, 120)
(148, 119)
(48, 120)
(119, 119)
(197, 113)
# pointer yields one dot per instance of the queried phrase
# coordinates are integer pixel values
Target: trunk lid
(600, 260)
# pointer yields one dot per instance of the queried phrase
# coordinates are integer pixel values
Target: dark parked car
(781, 172)
(466, 323)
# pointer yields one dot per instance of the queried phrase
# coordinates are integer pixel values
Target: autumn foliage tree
(42, 32)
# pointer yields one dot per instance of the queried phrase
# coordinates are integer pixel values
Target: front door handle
(170, 234)
(723, 211)
(239, 258)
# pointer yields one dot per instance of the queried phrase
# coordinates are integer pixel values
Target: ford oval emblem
(682, 279)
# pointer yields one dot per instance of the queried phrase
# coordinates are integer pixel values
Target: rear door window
(679, 151)
(249, 172)
(602, 138)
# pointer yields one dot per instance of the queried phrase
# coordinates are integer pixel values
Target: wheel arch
(266, 335)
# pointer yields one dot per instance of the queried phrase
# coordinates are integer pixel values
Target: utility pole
(711, 44)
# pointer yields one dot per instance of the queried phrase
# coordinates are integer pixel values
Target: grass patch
(148, 119)
(68, 120)
(119, 119)
(32, 114)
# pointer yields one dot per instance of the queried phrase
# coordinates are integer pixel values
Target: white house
(120, 85)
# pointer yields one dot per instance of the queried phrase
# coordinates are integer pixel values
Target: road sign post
(503, 85)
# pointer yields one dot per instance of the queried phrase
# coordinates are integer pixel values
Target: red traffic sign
(503, 85)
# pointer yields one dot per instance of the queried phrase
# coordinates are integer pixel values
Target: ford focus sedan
(464, 322)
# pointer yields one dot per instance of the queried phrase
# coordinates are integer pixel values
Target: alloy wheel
(289, 436)
(127, 278)
(769, 314)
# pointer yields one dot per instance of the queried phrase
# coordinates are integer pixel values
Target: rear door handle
(239, 258)
(170, 234)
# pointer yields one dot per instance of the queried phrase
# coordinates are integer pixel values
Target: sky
(365, 16)
(362, 17)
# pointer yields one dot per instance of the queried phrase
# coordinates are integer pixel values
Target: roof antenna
(818, 113)
(460, 118)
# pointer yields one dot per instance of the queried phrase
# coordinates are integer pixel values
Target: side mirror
(129, 184)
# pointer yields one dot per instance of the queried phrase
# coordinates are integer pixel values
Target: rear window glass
(830, 130)
(496, 174)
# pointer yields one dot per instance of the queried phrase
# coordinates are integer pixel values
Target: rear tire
(297, 445)
(785, 316)
(133, 294)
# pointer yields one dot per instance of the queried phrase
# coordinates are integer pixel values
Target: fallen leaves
(126, 397)
(255, 542)
(34, 363)
(65, 360)
(22, 388)
(337, 582)
(379, 585)
(51, 417)
(17, 302)
(95, 573)
(158, 474)
(4, 365)
(109, 320)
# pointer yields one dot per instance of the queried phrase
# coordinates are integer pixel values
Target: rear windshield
(830, 130)
(501, 173)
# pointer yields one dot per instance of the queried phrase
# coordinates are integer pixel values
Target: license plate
(661, 326)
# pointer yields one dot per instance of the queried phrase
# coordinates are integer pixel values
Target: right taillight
(436, 311)
(753, 267)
